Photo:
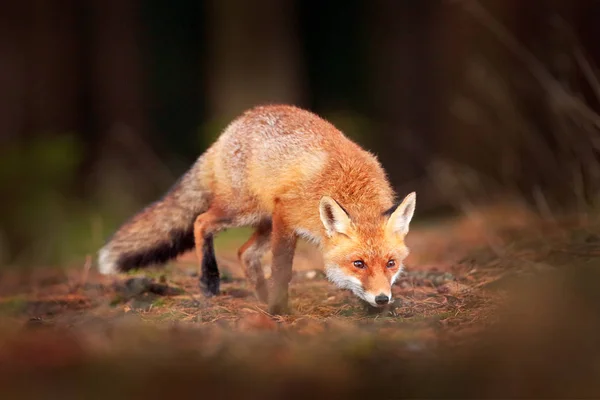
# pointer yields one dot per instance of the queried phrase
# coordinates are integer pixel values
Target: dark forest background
(103, 104)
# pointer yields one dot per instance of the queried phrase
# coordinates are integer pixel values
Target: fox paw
(279, 309)
(279, 306)
(209, 287)
(262, 293)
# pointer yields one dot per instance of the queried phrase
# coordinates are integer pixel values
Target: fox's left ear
(399, 219)
(334, 217)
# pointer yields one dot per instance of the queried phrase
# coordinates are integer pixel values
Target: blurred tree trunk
(500, 117)
(253, 55)
(407, 90)
(118, 146)
(52, 66)
(12, 112)
(12, 65)
(584, 18)
(39, 69)
(39, 81)
(116, 72)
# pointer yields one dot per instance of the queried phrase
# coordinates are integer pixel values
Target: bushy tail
(161, 231)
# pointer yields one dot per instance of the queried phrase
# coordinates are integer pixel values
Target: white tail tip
(106, 263)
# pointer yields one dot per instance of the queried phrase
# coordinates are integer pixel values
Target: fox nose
(381, 299)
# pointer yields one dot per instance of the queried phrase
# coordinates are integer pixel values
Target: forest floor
(496, 303)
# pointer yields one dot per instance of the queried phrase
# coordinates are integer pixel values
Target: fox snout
(382, 299)
(378, 300)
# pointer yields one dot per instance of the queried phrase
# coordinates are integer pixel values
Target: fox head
(365, 256)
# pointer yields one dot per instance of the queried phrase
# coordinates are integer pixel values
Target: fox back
(282, 151)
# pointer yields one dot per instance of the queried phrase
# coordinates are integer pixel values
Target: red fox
(287, 173)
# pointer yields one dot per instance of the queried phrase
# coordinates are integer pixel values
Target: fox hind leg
(210, 279)
(250, 255)
(205, 226)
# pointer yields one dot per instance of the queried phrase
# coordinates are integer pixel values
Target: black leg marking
(210, 279)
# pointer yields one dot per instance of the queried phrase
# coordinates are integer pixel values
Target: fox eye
(359, 264)
(391, 264)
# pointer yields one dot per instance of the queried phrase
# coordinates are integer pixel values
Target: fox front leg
(283, 246)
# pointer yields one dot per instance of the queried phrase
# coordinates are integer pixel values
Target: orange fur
(271, 169)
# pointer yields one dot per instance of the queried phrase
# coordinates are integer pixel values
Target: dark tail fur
(161, 231)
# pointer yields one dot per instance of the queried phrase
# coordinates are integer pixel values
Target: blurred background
(103, 104)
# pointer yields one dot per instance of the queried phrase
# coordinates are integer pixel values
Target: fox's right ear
(334, 217)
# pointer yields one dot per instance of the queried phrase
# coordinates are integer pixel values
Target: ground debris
(138, 285)
(455, 320)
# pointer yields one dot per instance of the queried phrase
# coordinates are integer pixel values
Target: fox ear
(334, 217)
(400, 217)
